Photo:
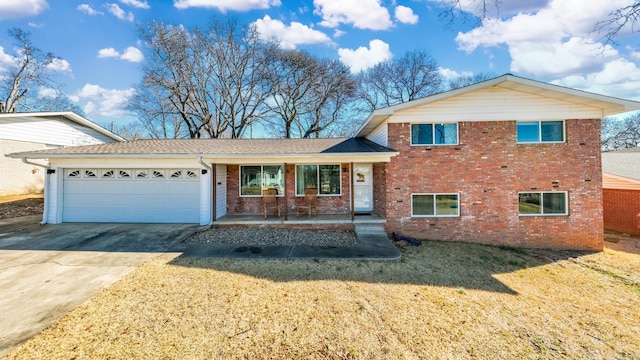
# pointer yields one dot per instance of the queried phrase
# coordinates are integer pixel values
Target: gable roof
(218, 148)
(607, 105)
(68, 115)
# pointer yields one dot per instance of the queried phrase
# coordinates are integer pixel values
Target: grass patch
(445, 300)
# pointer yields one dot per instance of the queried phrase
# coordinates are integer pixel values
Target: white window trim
(132, 174)
(566, 202)
(434, 123)
(262, 179)
(295, 184)
(434, 204)
(564, 132)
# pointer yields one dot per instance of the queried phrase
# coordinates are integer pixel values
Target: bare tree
(413, 76)
(308, 94)
(467, 80)
(155, 114)
(618, 20)
(620, 134)
(28, 70)
(292, 78)
(335, 89)
(212, 79)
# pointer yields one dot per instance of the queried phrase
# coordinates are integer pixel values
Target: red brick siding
(379, 189)
(488, 169)
(339, 204)
(622, 210)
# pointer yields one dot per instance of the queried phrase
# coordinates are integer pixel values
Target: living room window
(324, 178)
(442, 205)
(543, 203)
(255, 178)
(434, 134)
(540, 131)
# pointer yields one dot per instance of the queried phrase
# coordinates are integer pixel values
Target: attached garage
(131, 195)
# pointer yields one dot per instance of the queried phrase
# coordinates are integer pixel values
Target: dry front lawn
(442, 301)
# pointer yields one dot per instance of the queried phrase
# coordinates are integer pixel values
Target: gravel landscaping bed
(273, 236)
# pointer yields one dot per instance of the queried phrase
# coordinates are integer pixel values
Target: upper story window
(540, 131)
(434, 134)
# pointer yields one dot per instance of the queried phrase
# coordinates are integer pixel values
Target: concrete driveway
(45, 271)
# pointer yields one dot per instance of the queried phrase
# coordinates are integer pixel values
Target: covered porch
(344, 180)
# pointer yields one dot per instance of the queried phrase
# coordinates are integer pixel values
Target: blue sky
(547, 40)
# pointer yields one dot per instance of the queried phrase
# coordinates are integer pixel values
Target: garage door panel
(118, 199)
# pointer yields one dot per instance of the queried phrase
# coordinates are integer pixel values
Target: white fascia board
(68, 115)
(220, 159)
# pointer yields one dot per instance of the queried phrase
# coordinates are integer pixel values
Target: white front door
(362, 187)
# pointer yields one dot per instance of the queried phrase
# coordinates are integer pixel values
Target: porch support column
(214, 191)
(351, 191)
(284, 190)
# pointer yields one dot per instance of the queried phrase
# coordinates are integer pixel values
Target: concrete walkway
(373, 244)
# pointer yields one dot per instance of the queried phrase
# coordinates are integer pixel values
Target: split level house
(508, 161)
(41, 131)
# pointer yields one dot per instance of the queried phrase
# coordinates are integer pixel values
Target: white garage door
(131, 195)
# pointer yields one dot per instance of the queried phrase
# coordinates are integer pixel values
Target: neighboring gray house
(621, 190)
(41, 131)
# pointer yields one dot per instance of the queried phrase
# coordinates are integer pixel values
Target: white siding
(380, 135)
(495, 104)
(221, 191)
(60, 131)
(205, 198)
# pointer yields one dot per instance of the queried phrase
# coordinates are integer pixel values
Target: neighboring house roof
(605, 105)
(217, 148)
(621, 169)
(68, 115)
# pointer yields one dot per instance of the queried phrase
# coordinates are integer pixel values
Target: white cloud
(450, 74)
(559, 58)
(289, 36)
(59, 65)
(555, 42)
(131, 54)
(87, 9)
(363, 58)
(337, 33)
(117, 11)
(103, 102)
(10, 9)
(107, 53)
(490, 10)
(362, 14)
(405, 15)
(47, 92)
(136, 3)
(225, 5)
(35, 25)
(6, 61)
(619, 77)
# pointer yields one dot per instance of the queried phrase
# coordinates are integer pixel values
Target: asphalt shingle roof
(218, 147)
(625, 163)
